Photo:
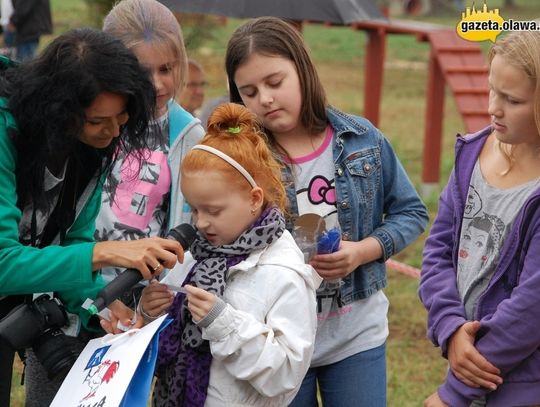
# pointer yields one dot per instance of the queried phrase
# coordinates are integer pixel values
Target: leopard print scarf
(184, 358)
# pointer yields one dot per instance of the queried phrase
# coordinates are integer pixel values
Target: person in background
(6, 10)
(338, 169)
(63, 117)
(30, 20)
(209, 107)
(192, 97)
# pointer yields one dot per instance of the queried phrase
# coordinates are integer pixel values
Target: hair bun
(231, 118)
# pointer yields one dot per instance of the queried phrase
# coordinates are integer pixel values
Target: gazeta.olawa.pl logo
(486, 24)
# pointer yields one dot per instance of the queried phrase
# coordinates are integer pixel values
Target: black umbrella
(327, 11)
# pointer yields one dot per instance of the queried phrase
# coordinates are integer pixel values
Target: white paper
(103, 371)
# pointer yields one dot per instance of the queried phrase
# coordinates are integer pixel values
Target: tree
(98, 10)
(443, 7)
(196, 28)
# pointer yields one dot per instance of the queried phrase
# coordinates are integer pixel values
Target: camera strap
(7, 303)
(10, 302)
(63, 214)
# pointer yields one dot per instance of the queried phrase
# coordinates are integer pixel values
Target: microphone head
(185, 234)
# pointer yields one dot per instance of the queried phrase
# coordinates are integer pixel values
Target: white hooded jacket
(262, 341)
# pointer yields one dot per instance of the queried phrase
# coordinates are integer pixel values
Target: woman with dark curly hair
(63, 117)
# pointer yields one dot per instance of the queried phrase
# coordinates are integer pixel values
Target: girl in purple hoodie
(481, 270)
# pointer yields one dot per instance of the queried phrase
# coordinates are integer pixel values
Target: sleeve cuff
(445, 329)
(148, 318)
(216, 310)
(387, 245)
(452, 398)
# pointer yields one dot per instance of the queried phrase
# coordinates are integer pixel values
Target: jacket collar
(472, 137)
(467, 150)
(343, 123)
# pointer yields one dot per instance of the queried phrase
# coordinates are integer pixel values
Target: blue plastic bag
(138, 392)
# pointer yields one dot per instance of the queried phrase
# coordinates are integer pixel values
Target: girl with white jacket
(243, 332)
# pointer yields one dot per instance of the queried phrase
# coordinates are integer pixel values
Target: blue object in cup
(328, 242)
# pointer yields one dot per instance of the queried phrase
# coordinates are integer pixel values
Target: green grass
(414, 366)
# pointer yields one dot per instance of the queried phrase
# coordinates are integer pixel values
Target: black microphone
(184, 234)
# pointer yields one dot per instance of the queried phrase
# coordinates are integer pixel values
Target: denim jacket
(374, 197)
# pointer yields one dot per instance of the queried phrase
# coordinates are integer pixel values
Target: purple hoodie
(509, 308)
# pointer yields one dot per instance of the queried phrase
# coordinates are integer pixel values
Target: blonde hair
(234, 130)
(136, 22)
(521, 49)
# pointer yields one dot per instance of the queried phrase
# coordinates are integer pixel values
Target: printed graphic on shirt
(482, 235)
(481, 241)
(41, 218)
(321, 191)
(473, 206)
(136, 193)
(318, 213)
(317, 209)
(53, 187)
(488, 217)
(135, 200)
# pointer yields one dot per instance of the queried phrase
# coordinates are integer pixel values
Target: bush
(196, 28)
(98, 10)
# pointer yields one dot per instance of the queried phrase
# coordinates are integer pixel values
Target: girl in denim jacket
(342, 174)
(480, 273)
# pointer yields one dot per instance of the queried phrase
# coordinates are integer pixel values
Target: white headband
(230, 160)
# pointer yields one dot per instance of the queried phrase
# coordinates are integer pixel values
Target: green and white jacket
(66, 269)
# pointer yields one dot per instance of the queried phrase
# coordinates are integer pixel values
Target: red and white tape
(403, 268)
